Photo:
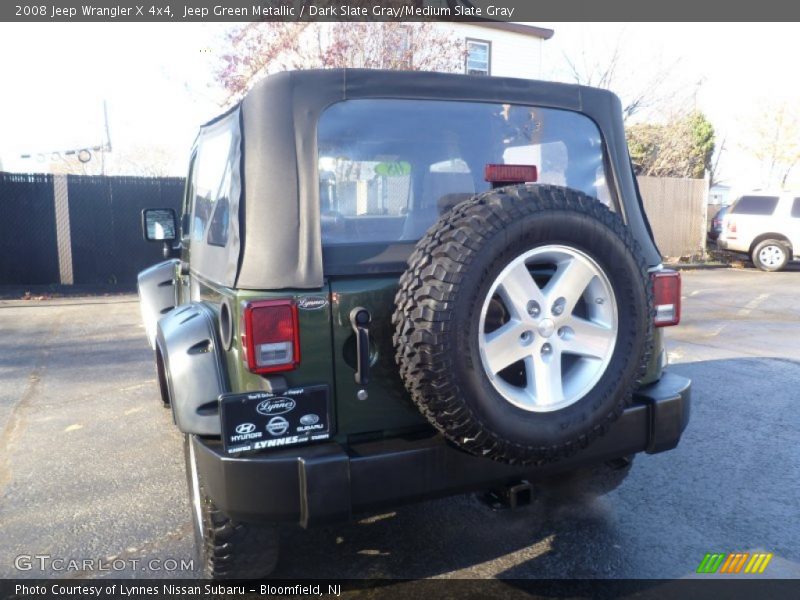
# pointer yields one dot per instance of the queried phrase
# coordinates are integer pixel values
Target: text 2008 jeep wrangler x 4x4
(395, 286)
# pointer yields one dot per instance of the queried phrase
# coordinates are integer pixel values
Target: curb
(697, 266)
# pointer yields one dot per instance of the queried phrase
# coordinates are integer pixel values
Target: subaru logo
(275, 406)
(309, 419)
(245, 428)
(278, 426)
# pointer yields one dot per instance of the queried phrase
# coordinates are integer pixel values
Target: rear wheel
(163, 384)
(771, 255)
(224, 548)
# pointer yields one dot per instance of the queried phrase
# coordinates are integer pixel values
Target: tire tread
(424, 314)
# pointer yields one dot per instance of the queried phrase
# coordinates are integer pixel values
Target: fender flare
(193, 367)
(156, 290)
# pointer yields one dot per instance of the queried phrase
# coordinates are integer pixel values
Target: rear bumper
(734, 245)
(329, 482)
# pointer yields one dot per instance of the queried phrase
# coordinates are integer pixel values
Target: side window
(188, 201)
(218, 227)
(796, 208)
(212, 188)
(755, 205)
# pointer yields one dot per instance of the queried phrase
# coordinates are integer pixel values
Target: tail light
(731, 225)
(510, 174)
(270, 336)
(667, 296)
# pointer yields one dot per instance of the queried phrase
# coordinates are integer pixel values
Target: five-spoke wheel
(548, 328)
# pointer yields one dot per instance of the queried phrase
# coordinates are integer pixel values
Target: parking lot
(93, 468)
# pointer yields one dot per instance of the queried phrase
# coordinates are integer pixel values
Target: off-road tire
(436, 320)
(228, 549)
(163, 383)
(782, 246)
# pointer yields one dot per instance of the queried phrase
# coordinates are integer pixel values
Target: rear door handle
(360, 320)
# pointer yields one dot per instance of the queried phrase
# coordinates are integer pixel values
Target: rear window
(389, 168)
(755, 205)
(796, 208)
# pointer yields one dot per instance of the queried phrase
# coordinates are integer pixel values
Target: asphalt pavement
(92, 466)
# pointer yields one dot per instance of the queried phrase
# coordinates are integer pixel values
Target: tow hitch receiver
(514, 495)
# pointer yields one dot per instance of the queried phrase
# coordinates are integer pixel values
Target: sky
(153, 78)
(157, 80)
(731, 71)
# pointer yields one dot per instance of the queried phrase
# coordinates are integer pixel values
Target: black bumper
(328, 482)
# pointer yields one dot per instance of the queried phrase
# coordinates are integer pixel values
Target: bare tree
(775, 142)
(256, 49)
(150, 160)
(611, 69)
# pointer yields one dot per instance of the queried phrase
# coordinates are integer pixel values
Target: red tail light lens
(270, 336)
(731, 225)
(667, 296)
(510, 173)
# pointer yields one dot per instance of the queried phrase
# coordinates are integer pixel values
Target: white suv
(765, 226)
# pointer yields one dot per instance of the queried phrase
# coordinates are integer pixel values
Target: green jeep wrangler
(391, 286)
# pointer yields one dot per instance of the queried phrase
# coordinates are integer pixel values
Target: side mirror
(159, 225)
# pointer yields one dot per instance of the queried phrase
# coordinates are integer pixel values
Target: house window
(400, 54)
(479, 56)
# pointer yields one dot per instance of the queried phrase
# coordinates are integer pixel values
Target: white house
(720, 194)
(502, 49)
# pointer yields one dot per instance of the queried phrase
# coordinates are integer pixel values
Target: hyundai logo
(245, 428)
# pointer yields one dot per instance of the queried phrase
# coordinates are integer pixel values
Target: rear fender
(193, 366)
(156, 287)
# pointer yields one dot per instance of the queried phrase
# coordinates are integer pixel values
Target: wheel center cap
(546, 327)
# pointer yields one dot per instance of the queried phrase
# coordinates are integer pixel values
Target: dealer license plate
(254, 421)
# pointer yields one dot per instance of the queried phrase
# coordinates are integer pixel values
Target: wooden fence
(676, 209)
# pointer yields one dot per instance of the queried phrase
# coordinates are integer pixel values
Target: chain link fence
(77, 229)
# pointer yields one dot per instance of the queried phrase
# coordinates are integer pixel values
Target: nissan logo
(278, 426)
(276, 406)
(245, 428)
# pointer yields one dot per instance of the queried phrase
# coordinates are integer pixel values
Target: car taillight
(667, 296)
(509, 174)
(731, 225)
(270, 336)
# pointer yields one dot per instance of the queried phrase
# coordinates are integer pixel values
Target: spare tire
(524, 323)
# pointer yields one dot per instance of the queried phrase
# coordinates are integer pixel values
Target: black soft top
(278, 213)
